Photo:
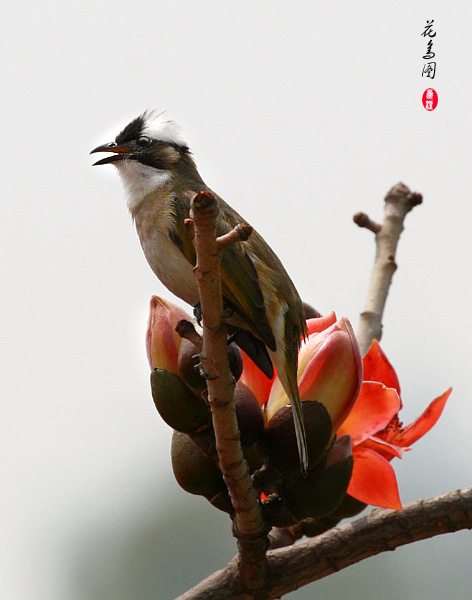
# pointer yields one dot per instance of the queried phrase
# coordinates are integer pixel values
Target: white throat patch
(139, 180)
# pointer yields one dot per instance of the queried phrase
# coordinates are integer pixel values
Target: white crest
(157, 127)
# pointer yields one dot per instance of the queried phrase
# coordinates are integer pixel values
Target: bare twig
(249, 526)
(240, 233)
(398, 203)
(364, 220)
(186, 329)
(313, 559)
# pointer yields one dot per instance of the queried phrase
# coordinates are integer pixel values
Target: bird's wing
(240, 282)
(241, 290)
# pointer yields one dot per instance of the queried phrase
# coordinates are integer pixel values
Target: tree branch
(248, 524)
(341, 547)
(251, 576)
(398, 203)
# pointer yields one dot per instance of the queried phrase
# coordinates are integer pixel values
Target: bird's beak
(119, 153)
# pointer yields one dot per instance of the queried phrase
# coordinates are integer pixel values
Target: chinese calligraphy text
(429, 68)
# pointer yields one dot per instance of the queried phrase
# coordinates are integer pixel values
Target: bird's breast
(165, 257)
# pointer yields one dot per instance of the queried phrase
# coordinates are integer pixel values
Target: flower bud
(189, 358)
(329, 372)
(198, 474)
(320, 493)
(177, 404)
(323, 490)
(249, 415)
(281, 442)
(162, 341)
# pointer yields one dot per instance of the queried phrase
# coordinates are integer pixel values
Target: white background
(299, 114)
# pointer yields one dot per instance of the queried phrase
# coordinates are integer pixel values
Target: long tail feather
(288, 379)
(299, 423)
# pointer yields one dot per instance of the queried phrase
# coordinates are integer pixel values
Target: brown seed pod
(320, 493)
(222, 501)
(350, 507)
(180, 408)
(249, 415)
(189, 359)
(281, 442)
(195, 473)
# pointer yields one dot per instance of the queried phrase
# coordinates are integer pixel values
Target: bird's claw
(201, 371)
(197, 312)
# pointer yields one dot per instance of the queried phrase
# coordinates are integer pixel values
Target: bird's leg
(198, 368)
(198, 314)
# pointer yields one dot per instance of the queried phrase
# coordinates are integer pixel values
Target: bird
(263, 309)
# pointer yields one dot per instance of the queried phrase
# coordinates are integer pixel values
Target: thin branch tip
(400, 193)
(363, 220)
(415, 199)
(204, 205)
(186, 329)
(190, 225)
(239, 233)
(399, 201)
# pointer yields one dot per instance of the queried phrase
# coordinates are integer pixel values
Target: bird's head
(149, 152)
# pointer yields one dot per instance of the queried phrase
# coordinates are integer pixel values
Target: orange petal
(320, 323)
(373, 480)
(256, 381)
(414, 431)
(383, 448)
(374, 409)
(378, 368)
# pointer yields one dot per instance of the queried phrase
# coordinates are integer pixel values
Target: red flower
(378, 434)
(373, 423)
(329, 371)
(261, 385)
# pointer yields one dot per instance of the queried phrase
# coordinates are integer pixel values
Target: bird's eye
(144, 141)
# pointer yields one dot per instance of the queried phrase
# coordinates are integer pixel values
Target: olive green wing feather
(241, 291)
(240, 281)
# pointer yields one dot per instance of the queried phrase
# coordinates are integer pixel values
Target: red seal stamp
(430, 99)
